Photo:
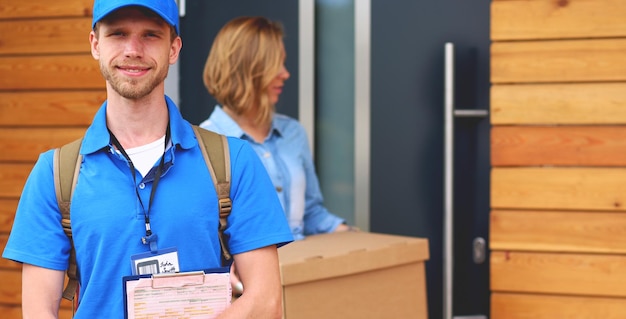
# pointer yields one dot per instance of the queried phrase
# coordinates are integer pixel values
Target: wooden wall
(558, 110)
(558, 154)
(50, 88)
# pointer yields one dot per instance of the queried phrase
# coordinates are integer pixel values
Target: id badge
(159, 262)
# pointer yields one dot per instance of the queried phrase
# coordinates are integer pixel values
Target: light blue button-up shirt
(289, 163)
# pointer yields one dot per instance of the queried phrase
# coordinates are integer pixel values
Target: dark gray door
(202, 21)
(407, 136)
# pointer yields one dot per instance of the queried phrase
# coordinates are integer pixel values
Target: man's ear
(175, 48)
(93, 42)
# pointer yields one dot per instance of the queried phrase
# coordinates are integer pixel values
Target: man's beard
(132, 89)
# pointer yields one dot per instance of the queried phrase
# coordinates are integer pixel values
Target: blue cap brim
(166, 9)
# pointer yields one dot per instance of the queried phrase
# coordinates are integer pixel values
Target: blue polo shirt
(108, 219)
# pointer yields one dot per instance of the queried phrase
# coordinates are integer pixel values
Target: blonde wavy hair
(245, 57)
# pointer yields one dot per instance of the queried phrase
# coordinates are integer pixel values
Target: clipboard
(196, 294)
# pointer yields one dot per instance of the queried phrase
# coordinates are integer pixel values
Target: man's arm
(259, 272)
(42, 289)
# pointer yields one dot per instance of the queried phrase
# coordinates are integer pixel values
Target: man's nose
(133, 47)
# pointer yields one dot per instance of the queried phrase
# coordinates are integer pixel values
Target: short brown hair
(245, 57)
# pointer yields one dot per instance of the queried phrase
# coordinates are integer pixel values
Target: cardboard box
(354, 275)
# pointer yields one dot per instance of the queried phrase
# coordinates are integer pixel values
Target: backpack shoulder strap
(217, 157)
(66, 165)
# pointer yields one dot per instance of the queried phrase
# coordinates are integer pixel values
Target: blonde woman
(245, 72)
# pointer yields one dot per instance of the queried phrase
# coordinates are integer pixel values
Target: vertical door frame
(362, 60)
(361, 113)
(306, 65)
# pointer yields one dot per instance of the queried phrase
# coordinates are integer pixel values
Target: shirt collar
(229, 127)
(97, 135)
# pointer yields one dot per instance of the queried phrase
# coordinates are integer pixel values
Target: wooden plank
(558, 61)
(11, 9)
(27, 143)
(11, 288)
(44, 36)
(550, 19)
(50, 108)
(11, 291)
(11, 311)
(8, 206)
(79, 71)
(558, 231)
(559, 188)
(5, 263)
(15, 311)
(12, 179)
(531, 306)
(65, 312)
(573, 103)
(558, 145)
(568, 274)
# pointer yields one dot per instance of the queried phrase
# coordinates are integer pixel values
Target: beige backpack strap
(66, 165)
(217, 157)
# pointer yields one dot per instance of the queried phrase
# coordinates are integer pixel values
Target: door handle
(448, 220)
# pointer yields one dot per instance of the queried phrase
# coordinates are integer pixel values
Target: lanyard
(150, 237)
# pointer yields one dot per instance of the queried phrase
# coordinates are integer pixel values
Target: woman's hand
(345, 227)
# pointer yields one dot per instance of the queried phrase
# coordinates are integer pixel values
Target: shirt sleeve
(37, 236)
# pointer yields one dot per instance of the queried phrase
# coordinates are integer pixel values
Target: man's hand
(235, 283)
(259, 272)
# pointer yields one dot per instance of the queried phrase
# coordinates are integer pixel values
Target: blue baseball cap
(166, 9)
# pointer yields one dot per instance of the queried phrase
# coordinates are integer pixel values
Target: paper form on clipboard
(200, 294)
